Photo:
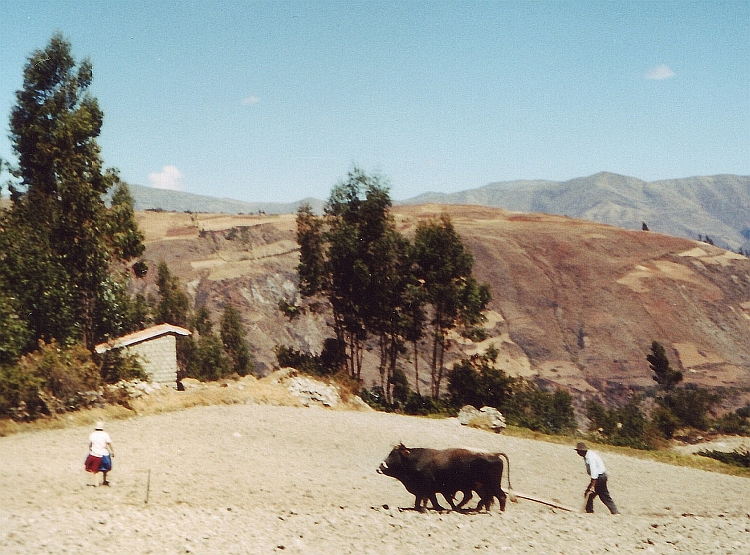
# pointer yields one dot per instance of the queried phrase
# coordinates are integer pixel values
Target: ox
(427, 472)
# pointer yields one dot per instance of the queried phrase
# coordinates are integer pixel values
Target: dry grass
(667, 456)
(247, 390)
(267, 391)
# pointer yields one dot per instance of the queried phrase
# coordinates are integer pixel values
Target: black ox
(427, 472)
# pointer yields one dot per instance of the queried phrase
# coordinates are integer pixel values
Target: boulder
(311, 391)
(486, 418)
(467, 414)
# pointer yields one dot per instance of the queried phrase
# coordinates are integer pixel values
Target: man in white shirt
(100, 453)
(598, 484)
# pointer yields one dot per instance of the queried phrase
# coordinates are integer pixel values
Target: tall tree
(311, 268)
(413, 319)
(14, 334)
(346, 256)
(37, 280)
(202, 321)
(233, 339)
(664, 374)
(70, 235)
(125, 238)
(174, 303)
(444, 265)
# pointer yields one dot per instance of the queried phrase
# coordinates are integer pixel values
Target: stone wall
(158, 357)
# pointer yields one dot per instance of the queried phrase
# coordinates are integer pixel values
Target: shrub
(376, 398)
(665, 421)
(477, 382)
(477, 334)
(209, 362)
(732, 423)
(464, 385)
(50, 379)
(289, 310)
(738, 457)
(541, 411)
(418, 405)
(327, 363)
(400, 386)
(304, 362)
(690, 405)
(140, 268)
(65, 372)
(118, 366)
(19, 393)
(625, 426)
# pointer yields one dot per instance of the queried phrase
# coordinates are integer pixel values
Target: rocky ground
(255, 478)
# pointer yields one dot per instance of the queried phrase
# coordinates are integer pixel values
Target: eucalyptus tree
(386, 310)
(414, 318)
(357, 215)
(311, 269)
(69, 240)
(351, 256)
(444, 266)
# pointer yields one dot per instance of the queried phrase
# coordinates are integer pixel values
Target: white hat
(99, 425)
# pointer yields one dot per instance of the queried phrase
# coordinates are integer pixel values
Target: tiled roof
(140, 336)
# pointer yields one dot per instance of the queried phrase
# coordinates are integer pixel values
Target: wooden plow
(519, 495)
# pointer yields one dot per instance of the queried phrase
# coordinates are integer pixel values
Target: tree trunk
(440, 366)
(433, 364)
(416, 367)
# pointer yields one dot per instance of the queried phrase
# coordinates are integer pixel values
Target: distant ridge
(714, 206)
(150, 198)
(717, 207)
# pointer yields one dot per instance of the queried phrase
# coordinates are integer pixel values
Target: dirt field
(265, 479)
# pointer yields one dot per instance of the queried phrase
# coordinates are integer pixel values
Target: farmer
(598, 474)
(100, 453)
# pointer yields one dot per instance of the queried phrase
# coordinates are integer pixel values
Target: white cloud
(250, 100)
(660, 72)
(168, 178)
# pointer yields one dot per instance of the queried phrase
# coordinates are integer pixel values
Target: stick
(543, 501)
(148, 485)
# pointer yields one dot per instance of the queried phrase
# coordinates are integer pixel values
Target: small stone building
(156, 349)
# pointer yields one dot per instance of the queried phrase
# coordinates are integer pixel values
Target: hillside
(715, 206)
(575, 303)
(150, 198)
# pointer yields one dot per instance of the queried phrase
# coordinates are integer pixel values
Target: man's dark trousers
(601, 490)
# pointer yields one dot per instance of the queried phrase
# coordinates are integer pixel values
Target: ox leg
(503, 498)
(485, 502)
(435, 505)
(467, 496)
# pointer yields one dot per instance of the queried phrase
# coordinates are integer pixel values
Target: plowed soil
(270, 479)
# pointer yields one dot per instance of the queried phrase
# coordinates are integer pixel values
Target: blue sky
(276, 101)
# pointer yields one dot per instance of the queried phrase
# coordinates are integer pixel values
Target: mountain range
(715, 208)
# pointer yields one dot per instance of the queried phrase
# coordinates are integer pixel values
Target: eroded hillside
(574, 303)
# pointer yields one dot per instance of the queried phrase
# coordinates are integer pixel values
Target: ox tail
(507, 464)
(511, 495)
